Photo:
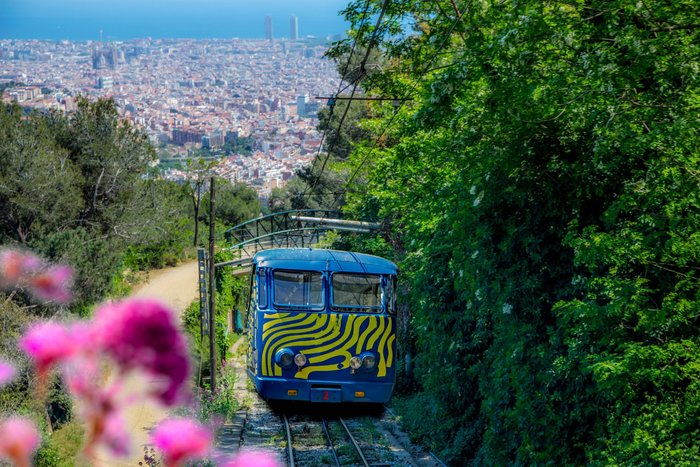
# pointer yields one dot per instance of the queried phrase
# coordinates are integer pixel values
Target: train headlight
(284, 358)
(355, 363)
(300, 359)
(368, 361)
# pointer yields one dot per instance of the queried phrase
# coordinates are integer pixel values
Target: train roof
(321, 260)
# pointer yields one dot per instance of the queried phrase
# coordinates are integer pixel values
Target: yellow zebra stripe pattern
(328, 341)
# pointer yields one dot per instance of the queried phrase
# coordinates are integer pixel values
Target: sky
(128, 19)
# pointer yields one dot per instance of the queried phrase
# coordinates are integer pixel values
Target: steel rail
(290, 450)
(275, 216)
(288, 234)
(442, 464)
(341, 98)
(354, 442)
(324, 424)
(338, 222)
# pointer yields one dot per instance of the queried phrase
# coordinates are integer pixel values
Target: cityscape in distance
(248, 103)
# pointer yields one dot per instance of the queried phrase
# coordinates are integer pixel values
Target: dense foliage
(542, 195)
(234, 203)
(230, 296)
(78, 189)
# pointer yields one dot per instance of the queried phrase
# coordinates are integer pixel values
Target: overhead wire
(340, 85)
(401, 104)
(354, 89)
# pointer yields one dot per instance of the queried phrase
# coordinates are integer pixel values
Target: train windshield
(294, 289)
(357, 291)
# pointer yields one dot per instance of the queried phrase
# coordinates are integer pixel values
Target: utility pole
(212, 289)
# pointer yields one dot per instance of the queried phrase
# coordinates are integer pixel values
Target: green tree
(169, 231)
(79, 189)
(544, 202)
(113, 158)
(235, 203)
(319, 186)
(195, 186)
(40, 186)
(278, 200)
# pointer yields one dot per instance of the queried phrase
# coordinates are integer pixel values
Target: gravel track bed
(309, 442)
(263, 430)
(379, 435)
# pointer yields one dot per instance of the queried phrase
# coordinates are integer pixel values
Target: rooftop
(323, 260)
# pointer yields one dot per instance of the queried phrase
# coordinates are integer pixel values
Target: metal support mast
(212, 290)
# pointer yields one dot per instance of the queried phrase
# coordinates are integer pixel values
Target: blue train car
(321, 326)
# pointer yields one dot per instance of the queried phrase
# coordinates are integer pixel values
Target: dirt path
(176, 287)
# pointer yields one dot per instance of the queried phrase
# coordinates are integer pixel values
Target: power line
(457, 13)
(330, 150)
(354, 88)
(393, 117)
(340, 85)
(363, 98)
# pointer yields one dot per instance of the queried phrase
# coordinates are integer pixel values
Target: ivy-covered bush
(230, 296)
(542, 191)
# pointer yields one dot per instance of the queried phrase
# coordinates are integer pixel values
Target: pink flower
(52, 284)
(100, 407)
(48, 343)
(23, 269)
(82, 375)
(7, 373)
(181, 439)
(19, 438)
(15, 265)
(142, 334)
(254, 459)
(115, 435)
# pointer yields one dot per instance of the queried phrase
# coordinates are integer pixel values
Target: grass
(312, 435)
(369, 427)
(342, 445)
(67, 442)
(246, 403)
(279, 439)
(249, 385)
(240, 351)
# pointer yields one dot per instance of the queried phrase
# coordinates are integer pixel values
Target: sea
(80, 20)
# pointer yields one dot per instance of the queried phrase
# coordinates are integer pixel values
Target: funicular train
(321, 326)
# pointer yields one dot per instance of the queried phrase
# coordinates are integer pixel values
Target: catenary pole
(212, 289)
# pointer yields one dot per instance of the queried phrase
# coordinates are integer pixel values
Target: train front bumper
(323, 391)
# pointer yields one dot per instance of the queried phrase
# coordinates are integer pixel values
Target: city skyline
(130, 19)
(189, 95)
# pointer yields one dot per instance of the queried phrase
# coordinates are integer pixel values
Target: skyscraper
(301, 104)
(268, 28)
(293, 28)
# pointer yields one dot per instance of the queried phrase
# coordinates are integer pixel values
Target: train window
(357, 291)
(249, 293)
(298, 289)
(262, 289)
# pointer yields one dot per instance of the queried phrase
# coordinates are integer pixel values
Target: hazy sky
(123, 19)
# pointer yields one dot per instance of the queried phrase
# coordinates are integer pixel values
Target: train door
(257, 301)
(251, 313)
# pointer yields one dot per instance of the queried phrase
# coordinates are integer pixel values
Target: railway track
(345, 443)
(312, 435)
(309, 442)
(358, 449)
(308, 437)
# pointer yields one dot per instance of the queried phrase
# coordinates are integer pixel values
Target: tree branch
(676, 27)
